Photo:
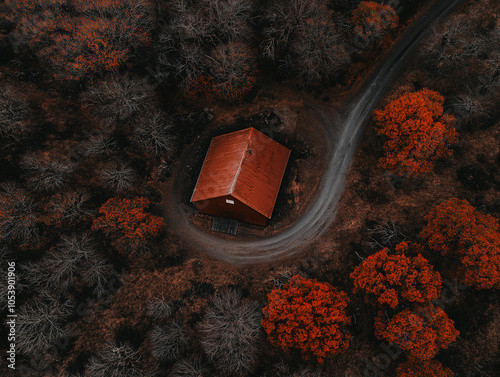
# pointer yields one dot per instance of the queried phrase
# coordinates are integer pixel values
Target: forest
(107, 109)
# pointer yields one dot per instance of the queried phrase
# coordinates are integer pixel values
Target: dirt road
(341, 141)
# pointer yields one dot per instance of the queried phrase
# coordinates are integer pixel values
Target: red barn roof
(247, 165)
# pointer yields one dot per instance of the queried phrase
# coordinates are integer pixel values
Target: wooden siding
(238, 211)
(245, 165)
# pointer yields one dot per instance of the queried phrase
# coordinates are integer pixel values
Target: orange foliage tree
(422, 333)
(309, 316)
(454, 227)
(126, 223)
(392, 279)
(88, 38)
(372, 20)
(417, 130)
(423, 368)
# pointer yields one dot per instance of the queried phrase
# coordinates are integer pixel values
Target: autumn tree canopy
(422, 332)
(423, 368)
(371, 21)
(417, 131)
(88, 37)
(127, 224)
(309, 316)
(397, 278)
(454, 227)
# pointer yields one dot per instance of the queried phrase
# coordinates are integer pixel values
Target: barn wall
(238, 211)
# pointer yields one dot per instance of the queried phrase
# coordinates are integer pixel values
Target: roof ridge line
(233, 184)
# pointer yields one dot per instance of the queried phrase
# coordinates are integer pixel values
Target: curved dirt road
(343, 143)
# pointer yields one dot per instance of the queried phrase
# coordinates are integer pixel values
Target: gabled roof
(247, 165)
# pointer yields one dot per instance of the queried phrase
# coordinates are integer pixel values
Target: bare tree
(283, 19)
(169, 342)
(117, 360)
(67, 209)
(96, 274)
(75, 258)
(318, 54)
(387, 235)
(192, 367)
(181, 42)
(439, 46)
(209, 21)
(40, 323)
(34, 274)
(184, 61)
(231, 67)
(46, 173)
(18, 215)
(231, 333)
(15, 120)
(159, 308)
(468, 108)
(100, 146)
(492, 72)
(65, 261)
(450, 44)
(152, 133)
(118, 177)
(194, 31)
(493, 69)
(118, 99)
(463, 47)
(228, 19)
(188, 21)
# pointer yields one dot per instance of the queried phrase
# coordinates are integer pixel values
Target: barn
(241, 177)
